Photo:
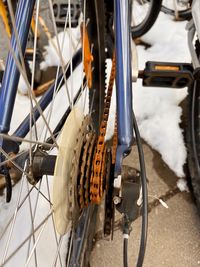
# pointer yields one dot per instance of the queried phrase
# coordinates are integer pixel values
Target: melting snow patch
(182, 185)
(67, 48)
(157, 109)
(22, 87)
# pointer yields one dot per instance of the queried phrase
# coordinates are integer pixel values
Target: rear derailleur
(128, 203)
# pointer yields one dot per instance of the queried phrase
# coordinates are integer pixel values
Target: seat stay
(123, 82)
(11, 75)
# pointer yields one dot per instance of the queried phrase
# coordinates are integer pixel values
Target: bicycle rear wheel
(144, 15)
(31, 232)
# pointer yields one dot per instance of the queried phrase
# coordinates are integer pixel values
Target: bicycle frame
(11, 76)
(123, 82)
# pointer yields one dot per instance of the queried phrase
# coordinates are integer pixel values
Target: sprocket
(84, 132)
(65, 188)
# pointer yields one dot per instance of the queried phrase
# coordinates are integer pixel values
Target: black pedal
(167, 74)
(60, 8)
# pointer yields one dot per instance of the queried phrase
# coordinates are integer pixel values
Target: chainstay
(96, 183)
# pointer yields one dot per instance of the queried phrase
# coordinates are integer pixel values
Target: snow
(157, 111)
(51, 55)
(182, 185)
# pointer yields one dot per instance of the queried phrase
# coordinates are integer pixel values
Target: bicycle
(93, 170)
(145, 13)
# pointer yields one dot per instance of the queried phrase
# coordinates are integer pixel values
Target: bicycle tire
(193, 141)
(95, 27)
(192, 136)
(149, 20)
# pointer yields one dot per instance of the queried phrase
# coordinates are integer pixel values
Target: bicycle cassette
(72, 169)
(63, 168)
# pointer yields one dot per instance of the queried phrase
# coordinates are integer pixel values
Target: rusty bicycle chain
(115, 140)
(96, 182)
(86, 179)
(85, 170)
(72, 188)
(89, 171)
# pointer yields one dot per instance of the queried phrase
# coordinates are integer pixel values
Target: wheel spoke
(25, 140)
(32, 215)
(59, 50)
(54, 228)
(36, 242)
(21, 68)
(43, 223)
(32, 83)
(13, 223)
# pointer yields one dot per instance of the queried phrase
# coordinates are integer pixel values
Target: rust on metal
(87, 55)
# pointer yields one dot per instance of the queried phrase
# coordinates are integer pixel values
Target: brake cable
(126, 230)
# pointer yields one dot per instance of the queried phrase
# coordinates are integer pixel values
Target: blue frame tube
(123, 81)
(11, 75)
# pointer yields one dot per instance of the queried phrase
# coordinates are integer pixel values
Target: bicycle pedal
(167, 74)
(61, 9)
